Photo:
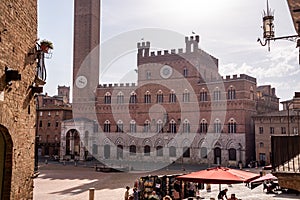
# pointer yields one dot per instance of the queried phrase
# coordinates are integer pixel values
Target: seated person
(232, 197)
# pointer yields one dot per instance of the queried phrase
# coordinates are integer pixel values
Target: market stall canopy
(219, 175)
(256, 182)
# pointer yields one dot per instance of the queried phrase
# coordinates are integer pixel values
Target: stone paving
(68, 182)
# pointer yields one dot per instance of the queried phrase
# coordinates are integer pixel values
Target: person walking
(126, 193)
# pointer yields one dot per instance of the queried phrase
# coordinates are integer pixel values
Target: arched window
(159, 97)
(261, 145)
(217, 126)
(133, 98)
(203, 126)
(217, 94)
(107, 126)
(106, 151)
(147, 126)
(172, 126)
(147, 97)
(120, 98)
(159, 126)
(172, 97)
(203, 152)
(203, 95)
(232, 126)
(185, 72)
(159, 151)
(107, 98)
(172, 151)
(232, 154)
(186, 126)
(231, 93)
(147, 150)
(120, 126)
(119, 152)
(132, 150)
(132, 126)
(186, 152)
(186, 96)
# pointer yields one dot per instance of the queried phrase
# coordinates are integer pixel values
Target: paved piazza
(68, 182)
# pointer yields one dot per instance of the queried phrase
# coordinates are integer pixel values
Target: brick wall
(18, 33)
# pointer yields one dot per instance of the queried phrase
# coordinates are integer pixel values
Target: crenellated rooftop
(241, 76)
(192, 47)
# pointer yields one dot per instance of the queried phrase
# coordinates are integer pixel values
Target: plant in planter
(45, 45)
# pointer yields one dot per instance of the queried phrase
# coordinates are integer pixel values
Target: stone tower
(85, 55)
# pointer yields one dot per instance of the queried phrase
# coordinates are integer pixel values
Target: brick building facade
(180, 110)
(18, 35)
(285, 122)
(50, 113)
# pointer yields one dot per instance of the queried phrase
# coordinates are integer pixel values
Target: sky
(228, 30)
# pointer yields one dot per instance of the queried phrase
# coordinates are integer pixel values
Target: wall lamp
(268, 30)
(11, 75)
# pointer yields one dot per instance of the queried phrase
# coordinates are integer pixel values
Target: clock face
(166, 71)
(81, 82)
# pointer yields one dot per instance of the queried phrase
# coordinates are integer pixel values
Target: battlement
(192, 47)
(114, 85)
(236, 77)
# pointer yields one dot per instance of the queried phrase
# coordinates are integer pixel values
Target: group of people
(222, 195)
(135, 195)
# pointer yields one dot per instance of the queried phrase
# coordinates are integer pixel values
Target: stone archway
(5, 163)
(72, 143)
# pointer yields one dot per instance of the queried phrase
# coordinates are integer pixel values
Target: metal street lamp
(268, 30)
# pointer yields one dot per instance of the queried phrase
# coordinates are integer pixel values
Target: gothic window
(203, 126)
(217, 94)
(148, 75)
(133, 98)
(203, 152)
(186, 126)
(132, 150)
(147, 97)
(172, 97)
(120, 126)
(107, 98)
(283, 130)
(232, 126)
(232, 154)
(185, 72)
(172, 126)
(172, 151)
(147, 150)
(132, 126)
(186, 96)
(186, 152)
(203, 95)
(159, 97)
(159, 126)
(107, 126)
(159, 151)
(217, 126)
(231, 93)
(120, 98)
(147, 126)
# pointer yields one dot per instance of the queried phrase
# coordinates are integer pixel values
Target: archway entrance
(72, 143)
(217, 155)
(5, 163)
